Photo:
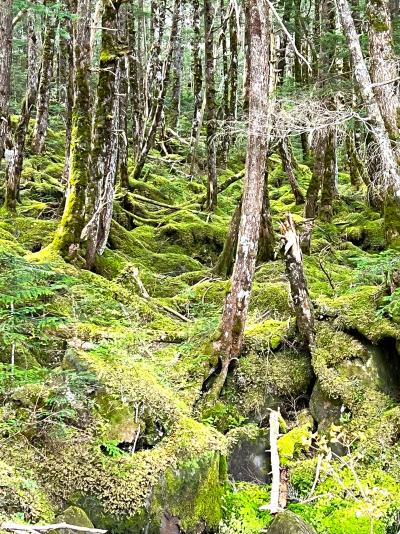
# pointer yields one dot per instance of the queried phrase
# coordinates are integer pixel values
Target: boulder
(289, 523)
(248, 459)
(73, 515)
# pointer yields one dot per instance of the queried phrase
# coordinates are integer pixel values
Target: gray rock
(289, 523)
(73, 515)
(249, 460)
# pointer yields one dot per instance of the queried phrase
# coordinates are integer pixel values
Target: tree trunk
(69, 92)
(104, 153)
(211, 110)
(287, 162)
(226, 259)
(68, 235)
(233, 67)
(5, 69)
(177, 73)
(390, 175)
(236, 304)
(329, 181)
(197, 68)
(43, 97)
(14, 167)
(310, 209)
(384, 64)
(298, 284)
(266, 246)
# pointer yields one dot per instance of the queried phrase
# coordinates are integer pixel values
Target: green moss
(296, 440)
(268, 335)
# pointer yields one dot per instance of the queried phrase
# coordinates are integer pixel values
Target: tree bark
(197, 68)
(302, 304)
(14, 166)
(329, 180)
(211, 109)
(236, 305)
(43, 97)
(68, 235)
(226, 260)
(287, 162)
(390, 173)
(5, 69)
(266, 246)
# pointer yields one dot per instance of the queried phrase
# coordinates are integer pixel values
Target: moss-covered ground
(100, 383)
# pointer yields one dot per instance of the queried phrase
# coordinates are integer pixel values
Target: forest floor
(103, 373)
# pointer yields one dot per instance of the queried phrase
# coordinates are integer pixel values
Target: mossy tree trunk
(14, 165)
(356, 167)
(211, 107)
(287, 162)
(68, 50)
(302, 304)
(104, 153)
(5, 69)
(310, 208)
(223, 114)
(236, 304)
(67, 238)
(46, 75)
(329, 180)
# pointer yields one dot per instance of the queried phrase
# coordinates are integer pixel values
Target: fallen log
(18, 527)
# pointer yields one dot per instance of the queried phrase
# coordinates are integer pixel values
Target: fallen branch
(161, 204)
(177, 136)
(231, 180)
(274, 506)
(44, 528)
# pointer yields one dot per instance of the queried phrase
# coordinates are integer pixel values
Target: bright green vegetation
(100, 383)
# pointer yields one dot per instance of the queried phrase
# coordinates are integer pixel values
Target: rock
(73, 515)
(249, 461)
(325, 410)
(289, 523)
(169, 525)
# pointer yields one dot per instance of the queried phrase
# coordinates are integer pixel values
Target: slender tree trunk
(223, 145)
(211, 109)
(236, 304)
(298, 284)
(287, 162)
(69, 92)
(390, 174)
(43, 97)
(233, 67)
(266, 246)
(5, 69)
(14, 167)
(156, 113)
(68, 235)
(197, 68)
(177, 73)
(310, 209)
(104, 153)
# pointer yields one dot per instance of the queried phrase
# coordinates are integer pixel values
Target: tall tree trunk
(390, 175)
(211, 109)
(236, 304)
(155, 115)
(197, 68)
(5, 69)
(384, 64)
(68, 235)
(14, 166)
(233, 66)
(104, 153)
(177, 73)
(68, 49)
(266, 245)
(46, 75)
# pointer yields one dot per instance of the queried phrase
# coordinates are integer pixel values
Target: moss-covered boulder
(289, 523)
(73, 515)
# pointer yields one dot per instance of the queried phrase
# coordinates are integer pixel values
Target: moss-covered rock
(289, 523)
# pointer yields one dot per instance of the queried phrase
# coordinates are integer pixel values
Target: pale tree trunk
(124, 98)
(104, 153)
(68, 49)
(236, 305)
(155, 114)
(233, 67)
(302, 304)
(5, 69)
(197, 68)
(390, 174)
(177, 73)
(211, 109)
(223, 145)
(384, 64)
(67, 238)
(43, 97)
(14, 167)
